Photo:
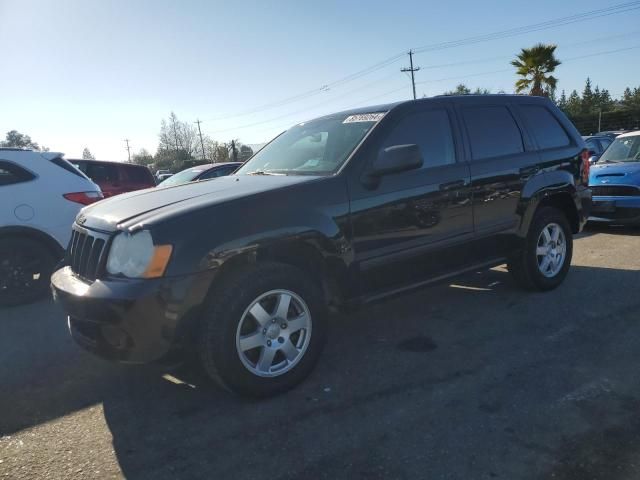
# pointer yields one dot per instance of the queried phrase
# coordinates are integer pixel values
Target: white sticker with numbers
(364, 117)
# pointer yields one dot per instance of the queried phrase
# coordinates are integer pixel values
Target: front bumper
(618, 210)
(130, 320)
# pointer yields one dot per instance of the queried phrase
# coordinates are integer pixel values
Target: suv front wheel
(263, 329)
(544, 260)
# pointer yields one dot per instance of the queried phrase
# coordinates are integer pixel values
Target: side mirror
(593, 159)
(396, 159)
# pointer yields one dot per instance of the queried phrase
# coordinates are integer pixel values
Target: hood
(143, 207)
(621, 173)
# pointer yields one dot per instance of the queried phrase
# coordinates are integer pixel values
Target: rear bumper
(127, 320)
(618, 210)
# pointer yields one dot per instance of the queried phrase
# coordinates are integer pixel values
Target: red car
(116, 177)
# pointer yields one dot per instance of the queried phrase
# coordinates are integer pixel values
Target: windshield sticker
(364, 117)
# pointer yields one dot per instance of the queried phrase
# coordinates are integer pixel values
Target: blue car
(615, 182)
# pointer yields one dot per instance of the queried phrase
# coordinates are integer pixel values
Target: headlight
(136, 256)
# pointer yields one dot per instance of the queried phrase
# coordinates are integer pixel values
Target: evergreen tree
(562, 102)
(587, 103)
(574, 104)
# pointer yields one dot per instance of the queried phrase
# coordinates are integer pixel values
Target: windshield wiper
(263, 172)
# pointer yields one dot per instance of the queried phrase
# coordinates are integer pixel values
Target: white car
(40, 196)
(163, 176)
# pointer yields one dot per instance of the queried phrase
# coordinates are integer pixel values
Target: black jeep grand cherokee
(343, 209)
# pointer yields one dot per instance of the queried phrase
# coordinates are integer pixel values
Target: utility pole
(201, 141)
(412, 70)
(600, 120)
(128, 149)
(234, 153)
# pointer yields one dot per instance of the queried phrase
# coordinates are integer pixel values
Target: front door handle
(444, 187)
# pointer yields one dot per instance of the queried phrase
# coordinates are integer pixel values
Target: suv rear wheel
(263, 330)
(25, 270)
(544, 261)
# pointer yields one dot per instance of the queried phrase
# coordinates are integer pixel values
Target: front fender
(314, 214)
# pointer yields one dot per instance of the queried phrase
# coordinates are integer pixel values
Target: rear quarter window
(544, 127)
(139, 175)
(492, 131)
(62, 163)
(10, 174)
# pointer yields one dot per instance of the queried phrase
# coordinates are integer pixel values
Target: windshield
(181, 177)
(318, 147)
(626, 149)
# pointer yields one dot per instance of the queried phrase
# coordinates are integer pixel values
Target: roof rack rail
(16, 149)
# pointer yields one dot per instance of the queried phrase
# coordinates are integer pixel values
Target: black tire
(524, 266)
(26, 266)
(225, 308)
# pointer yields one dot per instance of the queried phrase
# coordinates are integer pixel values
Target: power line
(536, 27)
(553, 23)
(316, 91)
(570, 59)
(412, 70)
(504, 58)
(457, 77)
(306, 109)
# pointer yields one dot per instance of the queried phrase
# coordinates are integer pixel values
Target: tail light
(585, 166)
(83, 198)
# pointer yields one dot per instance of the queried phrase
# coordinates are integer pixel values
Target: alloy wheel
(551, 250)
(274, 333)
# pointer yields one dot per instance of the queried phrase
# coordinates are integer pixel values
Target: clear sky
(76, 73)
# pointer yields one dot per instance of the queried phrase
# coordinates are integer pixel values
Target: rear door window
(544, 126)
(211, 173)
(431, 131)
(102, 172)
(10, 174)
(139, 176)
(492, 131)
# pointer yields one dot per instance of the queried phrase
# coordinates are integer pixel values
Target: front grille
(615, 191)
(85, 253)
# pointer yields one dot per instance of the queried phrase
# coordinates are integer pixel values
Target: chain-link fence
(627, 119)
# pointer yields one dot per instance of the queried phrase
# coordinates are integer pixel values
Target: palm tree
(534, 66)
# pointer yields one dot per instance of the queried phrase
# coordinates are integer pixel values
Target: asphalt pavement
(471, 380)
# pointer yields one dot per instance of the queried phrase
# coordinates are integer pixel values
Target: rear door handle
(452, 185)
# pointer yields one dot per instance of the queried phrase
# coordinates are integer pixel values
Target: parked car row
(41, 194)
(335, 212)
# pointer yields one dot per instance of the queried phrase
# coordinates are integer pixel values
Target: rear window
(545, 127)
(139, 175)
(493, 132)
(62, 163)
(592, 145)
(10, 173)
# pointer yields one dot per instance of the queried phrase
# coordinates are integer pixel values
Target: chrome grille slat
(84, 255)
(614, 191)
(86, 252)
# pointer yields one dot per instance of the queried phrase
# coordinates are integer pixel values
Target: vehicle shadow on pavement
(476, 379)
